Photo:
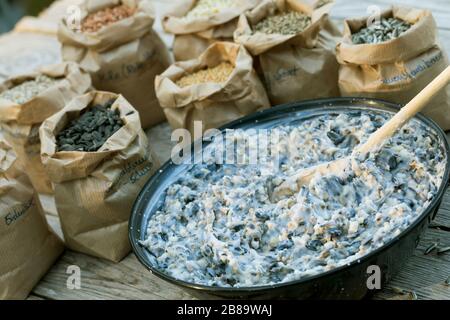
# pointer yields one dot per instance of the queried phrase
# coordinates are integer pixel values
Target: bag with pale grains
(218, 87)
(26, 101)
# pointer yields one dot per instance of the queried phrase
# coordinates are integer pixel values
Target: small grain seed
(285, 23)
(205, 8)
(102, 18)
(29, 89)
(431, 247)
(386, 30)
(217, 74)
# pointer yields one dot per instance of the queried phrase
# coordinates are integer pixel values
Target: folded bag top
(177, 22)
(68, 165)
(418, 39)
(259, 42)
(112, 35)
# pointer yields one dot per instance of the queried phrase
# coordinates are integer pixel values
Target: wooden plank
(101, 279)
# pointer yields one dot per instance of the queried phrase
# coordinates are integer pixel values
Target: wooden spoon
(375, 141)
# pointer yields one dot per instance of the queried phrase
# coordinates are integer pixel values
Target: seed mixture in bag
(116, 44)
(27, 246)
(218, 87)
(197, 24)
(294, 44)
(98, 158)
(26, 101)
(394, 59)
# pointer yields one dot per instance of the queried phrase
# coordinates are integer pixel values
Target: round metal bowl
(346, 282)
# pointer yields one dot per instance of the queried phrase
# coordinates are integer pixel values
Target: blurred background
(12, 10)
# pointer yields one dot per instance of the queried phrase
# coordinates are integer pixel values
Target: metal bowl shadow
(345, 282)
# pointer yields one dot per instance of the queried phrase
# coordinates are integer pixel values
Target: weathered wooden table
(423, 274)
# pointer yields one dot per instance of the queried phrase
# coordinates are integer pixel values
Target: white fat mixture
(217, 225)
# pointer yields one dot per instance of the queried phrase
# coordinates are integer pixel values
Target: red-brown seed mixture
(99, 19)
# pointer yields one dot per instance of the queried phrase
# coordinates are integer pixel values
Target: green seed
(387, 29)
(91, 130)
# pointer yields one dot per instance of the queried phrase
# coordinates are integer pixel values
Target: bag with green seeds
(27, 246)
(98, 158)
(26, 101)
(394, 59)
(294, 42)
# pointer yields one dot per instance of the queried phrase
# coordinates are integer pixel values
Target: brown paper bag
(396, 70)
(191, 46)
(20, 123)
(176, 23)
(295, 67)
(212, 103)
(95, 191)
(123, 57)
(24, 52)
(27, 246)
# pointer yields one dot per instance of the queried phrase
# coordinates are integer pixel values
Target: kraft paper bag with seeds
(218, 87)
(95, 190)
(26, 101)
(396, 64)
(123, 53)
(27, 246)
(294, 42)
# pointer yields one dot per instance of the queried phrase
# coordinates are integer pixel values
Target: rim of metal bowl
(357, 103)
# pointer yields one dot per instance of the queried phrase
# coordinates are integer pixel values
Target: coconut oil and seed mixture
(217, 225)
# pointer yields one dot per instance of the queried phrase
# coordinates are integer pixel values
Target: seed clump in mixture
(387, 29)
(89, 132)
(285, 23)
(102, 18)
(217, 74)
(27, 90)
(206, 8)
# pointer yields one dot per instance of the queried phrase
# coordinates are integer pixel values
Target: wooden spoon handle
(406, 113)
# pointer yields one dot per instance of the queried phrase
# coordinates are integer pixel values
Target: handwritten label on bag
(126, 70)
(418, 69)
(280, 74)
(132, 172)
(17, 212)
